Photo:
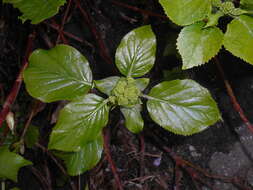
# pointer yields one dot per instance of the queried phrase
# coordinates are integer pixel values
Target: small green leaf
(238, 38)
(133, 119)
(79, 123)
(10, 163)
(85, 159)
(61, 73)
(32, 136)
(135, 55)
(197, 45)
(182, 107)
(186, 12)
(106, 85)
(142, 83)
(247, 4)
(216, 3)
(228, 8)
(213, 19)
(36, 10)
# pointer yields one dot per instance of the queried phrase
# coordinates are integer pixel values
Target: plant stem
(104, 53)
(16, 87)
(110, 160)
(149, 13)
(232, 97)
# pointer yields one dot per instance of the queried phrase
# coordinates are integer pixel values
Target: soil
(223, 151)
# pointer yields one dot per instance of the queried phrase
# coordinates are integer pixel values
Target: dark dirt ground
(224, 149)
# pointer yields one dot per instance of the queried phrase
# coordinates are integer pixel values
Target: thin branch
(110, 160)
(146, 12)
(63, 23)
(232, 97)
(16, 87)
(103, 51)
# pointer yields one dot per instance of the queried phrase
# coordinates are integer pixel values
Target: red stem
(16, 87)
(139, 10)
(57, 27)
(63, 23)
(110, 160)
(232, 97)
(103, 49)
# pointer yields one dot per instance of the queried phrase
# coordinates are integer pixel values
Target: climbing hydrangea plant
(63, 73)
(201, 39)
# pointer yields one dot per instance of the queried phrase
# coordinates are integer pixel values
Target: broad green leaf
(85, 159)
(61, 73)
(10, 163)
(79, 123)
(135, 55)
(197, 45)
(36, 10)
(186, 12)
(182, 107)
(142, 83)
(133, 119)
(32, 136)
(238, 38)
(247, 4)
(106, 85)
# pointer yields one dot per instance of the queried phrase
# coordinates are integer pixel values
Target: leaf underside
(182, 107)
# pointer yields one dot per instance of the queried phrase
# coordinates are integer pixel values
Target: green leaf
(246, 4)
(186, 12)
(182, 107)
(107, 85)
(10, 163)
(238, 38)
(228, 8)
(61, 73)
(216, 3)
(133, 119)
(135, 55)
(142, 83)
(36, 10)
(213, 19)
(32, 136)
(198, 45)
(79, 123)
(85, 159)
